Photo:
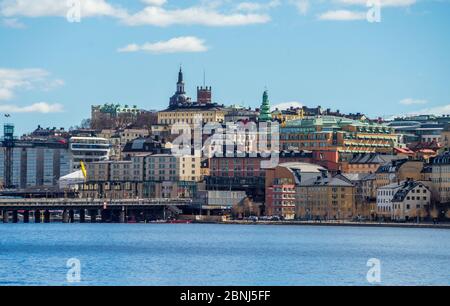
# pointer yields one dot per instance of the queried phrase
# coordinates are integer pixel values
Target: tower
(179, 99)
(8, 143)
(204, 95)
(265, 113)
(180, 83)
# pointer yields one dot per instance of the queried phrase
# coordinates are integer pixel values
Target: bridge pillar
(5, 216)
(26, 216)
(15, 216)
(104, 215)
(65, 216)
(37, 216)
(93, 214)
(46, 216)
(71, 216)
(123, 217)
(82, 216)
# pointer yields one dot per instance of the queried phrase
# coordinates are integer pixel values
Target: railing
(25, 203)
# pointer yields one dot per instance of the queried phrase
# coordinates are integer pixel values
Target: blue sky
(321, 52)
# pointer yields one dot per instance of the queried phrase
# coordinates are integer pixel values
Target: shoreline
(328, 223)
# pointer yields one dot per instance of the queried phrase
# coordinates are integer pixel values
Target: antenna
(204, 78)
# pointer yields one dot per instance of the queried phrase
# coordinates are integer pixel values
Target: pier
(89, 210)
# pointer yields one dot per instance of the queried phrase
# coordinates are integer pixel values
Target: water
(195, 254)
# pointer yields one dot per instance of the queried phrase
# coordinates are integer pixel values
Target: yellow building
(187, 115)
(325, 199)
(440, 177)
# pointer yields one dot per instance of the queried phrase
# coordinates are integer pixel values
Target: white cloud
(175, 45)
(45, 8)
(286, 105)
(301, 5)
(42, 107)
(154, 13)
(257, 6)
(410, 101)
(437, 111)
(12, 80)
(392, 3)
(13, 23)
(343, 15)
(158, 16)
(155, 2)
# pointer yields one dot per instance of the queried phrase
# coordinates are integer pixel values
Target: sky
(322, 52)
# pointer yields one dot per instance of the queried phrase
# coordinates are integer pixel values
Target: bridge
(110, 210)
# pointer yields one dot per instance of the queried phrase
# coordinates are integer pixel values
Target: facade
(88, 150)
(366, 163)
(440, 177)
(337, 134)
(280, 185)
(167, 167)
(403, 200)
(245, 172)
(411, 201)
(34, 164)
(325, 198)
(187, 115)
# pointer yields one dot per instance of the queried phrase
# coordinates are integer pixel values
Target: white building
(385, 194)
(88, 149)
(403, 200)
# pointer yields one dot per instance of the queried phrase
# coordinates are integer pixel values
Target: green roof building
(265, 113)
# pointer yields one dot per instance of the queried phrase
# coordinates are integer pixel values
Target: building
(325, 198)
(399, 170)
(281, 183)
(385, 195)
(403, 201)
(245, 172)
(113, 116)
(183, 110)
(411, 201)
(337, 134)
(366, 163)
(27, 164)
(440, 177)
(167, 167)
(365, 193)
(148, 145)
(88, 150)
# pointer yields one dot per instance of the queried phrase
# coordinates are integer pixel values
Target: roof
(406, 188)
(372, 158)
(304, 167)
(392, 167)
(443, 159)
(327, 181)
(355, 177)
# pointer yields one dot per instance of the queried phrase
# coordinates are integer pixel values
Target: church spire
(265, 113)
(180, 83)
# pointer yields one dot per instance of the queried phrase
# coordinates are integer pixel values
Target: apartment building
(440, 177)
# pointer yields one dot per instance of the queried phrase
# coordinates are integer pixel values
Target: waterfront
(212, 254)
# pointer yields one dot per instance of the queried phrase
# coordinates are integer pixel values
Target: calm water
(114, 254)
